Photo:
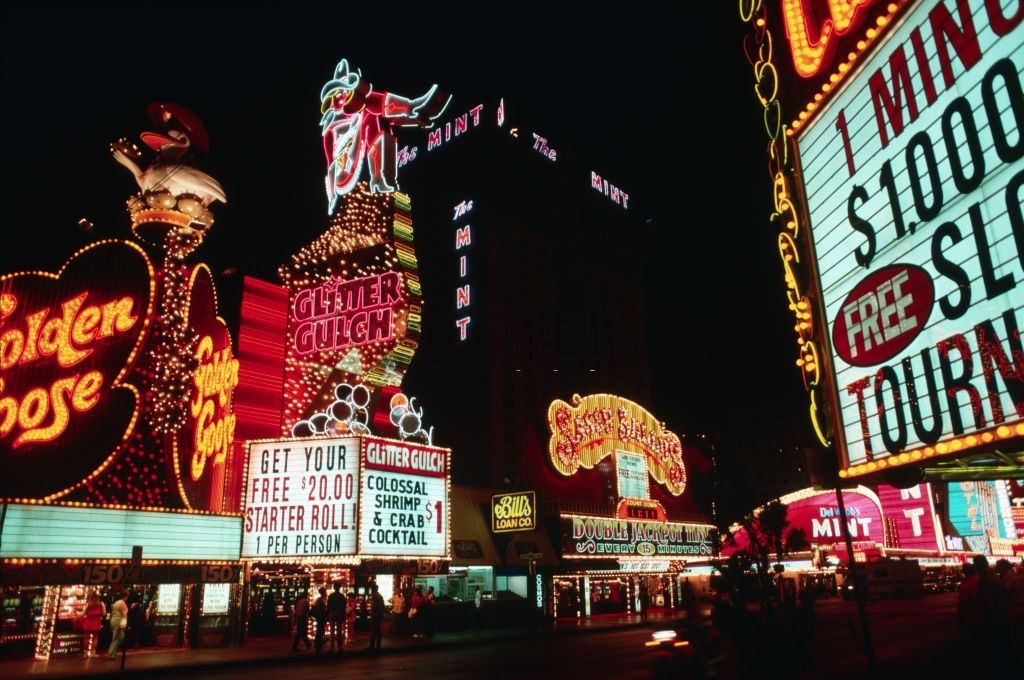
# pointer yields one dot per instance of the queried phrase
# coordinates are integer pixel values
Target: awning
(527, 545)
(471, 536)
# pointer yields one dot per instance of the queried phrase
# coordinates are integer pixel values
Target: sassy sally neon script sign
(340, 314)
(596, 426)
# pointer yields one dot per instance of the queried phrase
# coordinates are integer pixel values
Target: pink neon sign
(337, 314)
(909, 517)
(614, 193)
(454, 128)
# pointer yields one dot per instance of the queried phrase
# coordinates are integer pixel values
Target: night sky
(660, 97)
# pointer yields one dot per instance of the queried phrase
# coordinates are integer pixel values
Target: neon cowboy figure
(353, 128)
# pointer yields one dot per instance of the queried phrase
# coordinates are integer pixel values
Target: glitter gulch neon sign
(336, 314)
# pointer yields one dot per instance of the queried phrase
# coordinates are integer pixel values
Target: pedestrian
(478, 600)
(92, 623)
(690, 604)
(319, 612)
(351, 607)
(118, 624)
(336, 617)
(136, 620)
(428, 611)
(149, 617)
(398, 613)
(415, 613)
(1010, 630)
(300, 621)
(376, 618)
(979, 616)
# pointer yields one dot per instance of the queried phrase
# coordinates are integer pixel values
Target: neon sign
(511, 512)
(67, 337)
(337, 315)
(809, 55)
(540, 145)
(614, 193)
(358, 124)
(214, 380)
(67, 341)
(596, 537)
(463, 239)
(596, 426)
(454, 128)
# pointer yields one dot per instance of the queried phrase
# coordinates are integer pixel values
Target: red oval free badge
(883, 314)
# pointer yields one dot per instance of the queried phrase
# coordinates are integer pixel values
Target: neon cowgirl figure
(353, 128)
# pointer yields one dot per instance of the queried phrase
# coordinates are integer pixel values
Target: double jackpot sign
(71, 393)
(913, 170)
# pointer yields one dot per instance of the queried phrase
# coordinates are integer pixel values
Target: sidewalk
(269, 651)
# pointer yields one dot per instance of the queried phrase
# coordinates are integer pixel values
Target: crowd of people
(990, 616)
(125, 619)
(334, 617)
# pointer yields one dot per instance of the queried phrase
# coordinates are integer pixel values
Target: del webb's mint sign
(603, 536)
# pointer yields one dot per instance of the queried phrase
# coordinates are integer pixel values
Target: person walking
(92, 623)
(428, 610)
(398, 613)
(979, 616)
(136, 620)
(319, 612)
(376, 618)
(478, 601)
(300, 621)
(351, 607)
(336, 617)
(416, 613)
(118, 624)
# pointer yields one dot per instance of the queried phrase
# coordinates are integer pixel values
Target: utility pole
(858, 585)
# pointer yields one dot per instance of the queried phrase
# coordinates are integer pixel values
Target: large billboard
(301, 498)
(979, 511)
(913, 174)
(404, 508)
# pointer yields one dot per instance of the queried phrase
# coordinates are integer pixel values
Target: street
(621, 655)
(913, 636)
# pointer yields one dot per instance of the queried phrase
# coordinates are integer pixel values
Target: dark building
(531, 266)
(760, 461)
(551, 285)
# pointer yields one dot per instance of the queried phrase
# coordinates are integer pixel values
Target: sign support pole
(858, 585)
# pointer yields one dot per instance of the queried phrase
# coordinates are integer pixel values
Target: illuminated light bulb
(942, 447)
(1003, 431)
